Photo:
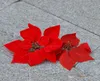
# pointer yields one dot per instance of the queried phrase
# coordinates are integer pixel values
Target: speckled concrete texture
(80, 16)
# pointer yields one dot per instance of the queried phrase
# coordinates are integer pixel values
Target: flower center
(67, 46)
(34, 47)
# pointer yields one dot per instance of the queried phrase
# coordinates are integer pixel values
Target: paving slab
(5, 3)
(15, 18)
(84, 13)
(9, 73)
(54, 72)
(92, 78)
(12, 72)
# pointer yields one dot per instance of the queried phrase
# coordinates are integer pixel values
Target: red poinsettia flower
(72, 53)
(35, 48)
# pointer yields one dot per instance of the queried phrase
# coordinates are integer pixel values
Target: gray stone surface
(5, 3)
(15, 18)
(9, 73)
(54, 72)
(84, 13)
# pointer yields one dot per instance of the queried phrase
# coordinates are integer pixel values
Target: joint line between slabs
(62, 18)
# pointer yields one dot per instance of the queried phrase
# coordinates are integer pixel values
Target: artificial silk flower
(72, 52)
(35, 48)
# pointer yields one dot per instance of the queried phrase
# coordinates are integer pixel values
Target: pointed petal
(70, 38)
(66, 61)
(85, 46)
(13, 46)
(20, 57)
(44, 40)
(53, 31)
(53, 45)
(32, 33)
(51, 56)
(36, 57)
(32, 26)
(80, 55)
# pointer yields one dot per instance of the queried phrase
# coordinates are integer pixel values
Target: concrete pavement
(80, 16)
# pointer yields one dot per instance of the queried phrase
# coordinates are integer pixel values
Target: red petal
(53, 45)
(66, 61)
(51, 57)
(13, 46)
(58, 56)
(32, 33)
(86, 47)
(32, 26)
(70, 38)
(44, 40)
(80, 55)
(58, 53)
(20, 57)
(26, 45)
(36, 57)
(52, 31)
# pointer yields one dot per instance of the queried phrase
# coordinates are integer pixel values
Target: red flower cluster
(36, 48)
